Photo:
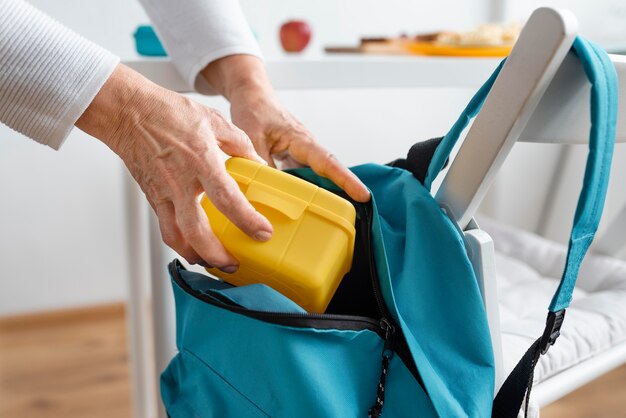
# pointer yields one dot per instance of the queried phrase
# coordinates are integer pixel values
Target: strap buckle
(552, 330)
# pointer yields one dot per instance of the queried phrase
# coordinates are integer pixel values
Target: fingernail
(229, 269)
(263, 236)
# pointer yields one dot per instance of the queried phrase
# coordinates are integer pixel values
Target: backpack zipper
(388, 349)
(393, 341)
(303, 320)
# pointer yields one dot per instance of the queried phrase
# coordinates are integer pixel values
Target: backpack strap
(604, 92)
(418, 158)
(444, 149)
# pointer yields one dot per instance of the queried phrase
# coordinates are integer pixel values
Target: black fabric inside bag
(355, 295)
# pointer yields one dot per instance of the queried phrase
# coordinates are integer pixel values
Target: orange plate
(429, 48)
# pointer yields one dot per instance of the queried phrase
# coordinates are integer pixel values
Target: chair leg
(139, 321)
(482, 256)
(163, 318)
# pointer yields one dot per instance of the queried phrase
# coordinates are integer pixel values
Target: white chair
(541, 95)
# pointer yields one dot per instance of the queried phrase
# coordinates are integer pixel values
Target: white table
(348, 71)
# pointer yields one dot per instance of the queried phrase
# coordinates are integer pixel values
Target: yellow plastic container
(311, 249)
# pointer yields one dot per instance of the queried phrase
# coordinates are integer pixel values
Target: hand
(171, 145)
(277, 135)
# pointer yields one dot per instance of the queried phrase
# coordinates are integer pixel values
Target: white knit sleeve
(48, 74)
(197, 32)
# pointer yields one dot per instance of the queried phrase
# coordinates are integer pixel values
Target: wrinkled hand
(279, 137)
(276, 134)
(171, 145)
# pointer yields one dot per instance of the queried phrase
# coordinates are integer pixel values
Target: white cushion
(529, 268)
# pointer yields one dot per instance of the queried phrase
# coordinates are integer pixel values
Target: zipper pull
(388, 328)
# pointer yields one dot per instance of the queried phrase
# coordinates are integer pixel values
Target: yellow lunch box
(313, 241)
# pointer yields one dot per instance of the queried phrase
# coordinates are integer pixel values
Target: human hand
(276, 134)
(171, 145)
(279, 137)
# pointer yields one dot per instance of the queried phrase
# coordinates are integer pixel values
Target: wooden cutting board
(403, 46)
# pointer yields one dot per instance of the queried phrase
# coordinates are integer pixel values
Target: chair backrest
(541, 95)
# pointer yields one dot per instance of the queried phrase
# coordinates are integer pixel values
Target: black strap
(520, 382)
(517, 386)
(418, 158)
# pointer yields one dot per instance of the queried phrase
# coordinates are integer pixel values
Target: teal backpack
(406, 334)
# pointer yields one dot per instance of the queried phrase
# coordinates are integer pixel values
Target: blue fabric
(447, 143)
(603, 107)
(233, 365)
(429, 285)
(230, 365)
(260, 297)
(203, 283)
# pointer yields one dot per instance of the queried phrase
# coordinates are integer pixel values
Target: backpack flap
(430, 291)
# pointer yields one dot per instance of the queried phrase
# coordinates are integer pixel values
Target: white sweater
(49, 75)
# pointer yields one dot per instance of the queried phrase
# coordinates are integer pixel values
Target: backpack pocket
(234, 361)
(188, 393)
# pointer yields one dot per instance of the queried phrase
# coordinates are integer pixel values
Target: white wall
(603, 21)
(517, 196)
(109, 23)
(62, 229)
(559, 222)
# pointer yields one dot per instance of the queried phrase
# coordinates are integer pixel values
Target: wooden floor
(71, 364)
(75, 365)
(602, 398)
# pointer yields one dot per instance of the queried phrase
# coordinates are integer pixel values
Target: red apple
(295, 35)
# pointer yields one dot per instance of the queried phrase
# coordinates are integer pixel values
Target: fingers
(265, 154)
(279, 136)
(234, 142)
(225, 194)
(185, 229)
(222, 189)
(171, 235)
(229, 200)
(184, 225)
(325, 164)
(197, 233)
(258, 139)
